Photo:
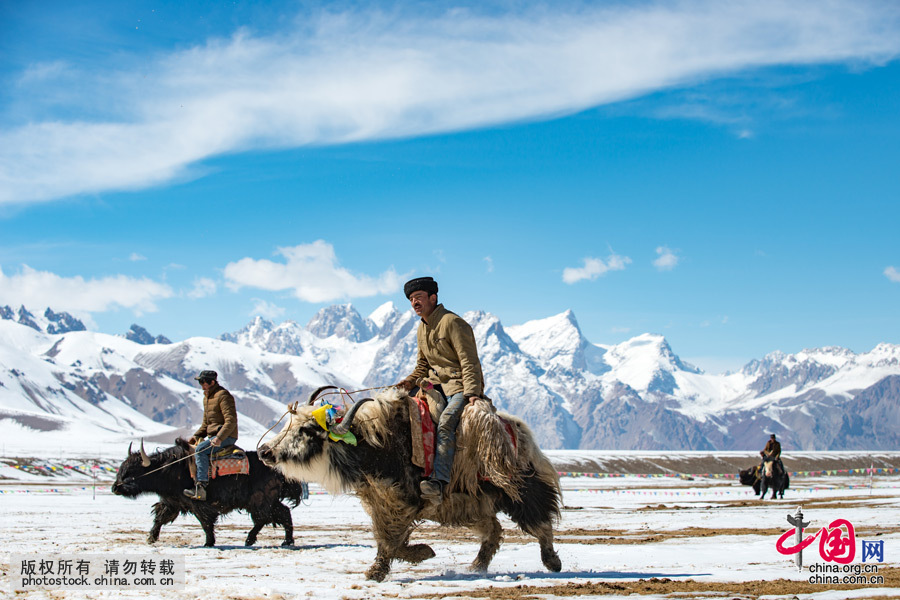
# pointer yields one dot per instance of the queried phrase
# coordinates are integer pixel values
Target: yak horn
(344, 426)
(129, 447)
(145, 460)
(315, 394)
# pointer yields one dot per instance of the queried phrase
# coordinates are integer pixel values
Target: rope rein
(291, 410)
(166, 465)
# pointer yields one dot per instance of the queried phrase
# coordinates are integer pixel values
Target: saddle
(227, 460)
(425, 409)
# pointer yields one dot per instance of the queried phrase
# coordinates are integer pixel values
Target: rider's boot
(198, 493)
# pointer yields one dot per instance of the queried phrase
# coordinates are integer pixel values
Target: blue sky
(724, 174)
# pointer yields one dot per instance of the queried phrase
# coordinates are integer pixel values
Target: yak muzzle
(266, 455)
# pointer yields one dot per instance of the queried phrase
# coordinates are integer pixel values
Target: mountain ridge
(636, 395)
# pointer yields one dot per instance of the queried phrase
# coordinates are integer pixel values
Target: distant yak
(762, 480)
(259, 493)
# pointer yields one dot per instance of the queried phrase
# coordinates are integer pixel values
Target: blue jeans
(445, 446)
(201, 458)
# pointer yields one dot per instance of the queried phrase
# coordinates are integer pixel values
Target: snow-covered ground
(696, 538)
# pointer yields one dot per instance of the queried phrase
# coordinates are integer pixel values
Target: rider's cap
(207, 375)
(420, 284)
(772, 436)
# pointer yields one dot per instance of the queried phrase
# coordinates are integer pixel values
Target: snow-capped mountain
(48, 321)
(142, 336)
(56, 378)
(343, 321)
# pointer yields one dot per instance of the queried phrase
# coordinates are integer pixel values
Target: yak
(490, 474)
(166, 473)
(778, 480)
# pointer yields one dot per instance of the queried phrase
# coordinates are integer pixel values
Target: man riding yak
(448, 362)
(498, 466)
(772, 452)
(219, 423)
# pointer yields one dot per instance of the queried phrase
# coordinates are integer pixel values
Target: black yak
(259, 493)
(523, 484)
(777, 480)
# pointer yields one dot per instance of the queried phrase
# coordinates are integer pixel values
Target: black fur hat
(423, 284)
(211, 375)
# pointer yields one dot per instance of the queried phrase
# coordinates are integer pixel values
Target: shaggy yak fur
(777, 481)
(259, 493)
(523, 484)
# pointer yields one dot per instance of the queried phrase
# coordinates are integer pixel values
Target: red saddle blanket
(226, 461)
(238, 464)
(424, 435)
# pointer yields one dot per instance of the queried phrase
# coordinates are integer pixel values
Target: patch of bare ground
(589, 537)
(267, 596)
(833, 502)
(750, 590)
(614, 536)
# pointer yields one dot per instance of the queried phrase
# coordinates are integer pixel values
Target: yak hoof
(378, 571)
(289, 542)
(249, 541)
(551, 560)
(152, 539)
(479, 566)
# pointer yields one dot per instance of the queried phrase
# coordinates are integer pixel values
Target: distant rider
(219, 422)
(448, 359)
(772, 451)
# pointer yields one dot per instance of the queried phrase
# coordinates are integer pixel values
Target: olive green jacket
(448, 355)
(219, 414)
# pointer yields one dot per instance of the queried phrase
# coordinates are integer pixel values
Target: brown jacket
(219, 414)
(448, 355)
(773, 449)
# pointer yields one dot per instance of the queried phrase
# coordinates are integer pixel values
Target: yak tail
(541, 477)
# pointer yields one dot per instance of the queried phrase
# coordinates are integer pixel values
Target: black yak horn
(145, 460)
(129, 448)
(315, 394)
(344, 426)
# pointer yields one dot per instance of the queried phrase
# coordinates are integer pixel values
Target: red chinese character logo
(834, 546)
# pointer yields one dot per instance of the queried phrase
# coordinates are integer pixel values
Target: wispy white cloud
(311, 273)
(489, 264)
(34, 288)
(667, 259)
(265, 309)
(135, 257)
(203, 287)
(594, 268)
(893, 274)
(719, 320)
(363, 75)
